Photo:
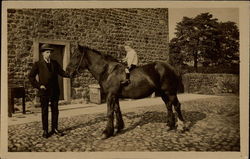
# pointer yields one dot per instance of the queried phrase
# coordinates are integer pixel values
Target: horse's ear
(80, 47)
(77, 44)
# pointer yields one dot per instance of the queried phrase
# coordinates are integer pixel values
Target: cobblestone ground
(214, 127)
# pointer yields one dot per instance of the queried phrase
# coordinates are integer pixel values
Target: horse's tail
(180, 84)
(166, 71)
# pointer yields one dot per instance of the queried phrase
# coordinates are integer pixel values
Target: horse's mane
(105, 56)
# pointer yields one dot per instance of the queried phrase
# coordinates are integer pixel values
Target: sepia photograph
(124, 79)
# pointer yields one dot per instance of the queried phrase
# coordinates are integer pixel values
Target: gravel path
(214, 127)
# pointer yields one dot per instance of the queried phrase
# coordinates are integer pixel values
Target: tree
(229, 43)
(202, 40)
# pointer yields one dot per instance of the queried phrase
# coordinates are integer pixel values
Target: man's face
(127, 48)
(46, 54)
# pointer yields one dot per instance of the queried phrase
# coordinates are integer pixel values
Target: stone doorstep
(90, 108)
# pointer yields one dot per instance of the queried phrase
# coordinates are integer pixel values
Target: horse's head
(77, 61)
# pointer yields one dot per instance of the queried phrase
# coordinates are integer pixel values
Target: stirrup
(125, 82)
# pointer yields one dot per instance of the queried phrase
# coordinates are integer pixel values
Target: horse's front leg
(109, 130)
(119, 121)
(170, 115)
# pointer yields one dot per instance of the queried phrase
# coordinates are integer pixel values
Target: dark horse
(153, 77)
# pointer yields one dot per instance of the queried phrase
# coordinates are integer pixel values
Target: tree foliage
(205, 41)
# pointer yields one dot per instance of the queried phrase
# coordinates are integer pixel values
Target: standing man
(131, 59)
(48, 87)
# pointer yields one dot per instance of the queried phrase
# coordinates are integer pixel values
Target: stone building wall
(101, 29)
(211, 83)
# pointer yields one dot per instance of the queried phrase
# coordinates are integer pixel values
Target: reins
(77, 69)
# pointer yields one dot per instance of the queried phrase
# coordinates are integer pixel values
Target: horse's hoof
(170, 128)
(119, 128)
(186, 126)
(180, 130)
(117, 131)
(104, 136)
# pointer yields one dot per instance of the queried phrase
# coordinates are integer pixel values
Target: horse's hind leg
(177, 107)
(181, 124)
(119, 121)
(170, 114)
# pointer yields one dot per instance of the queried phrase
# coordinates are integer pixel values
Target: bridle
(79, 64)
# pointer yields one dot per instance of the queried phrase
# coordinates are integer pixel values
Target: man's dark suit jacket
(47, 77)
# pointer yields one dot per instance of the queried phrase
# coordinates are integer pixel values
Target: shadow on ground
(148, 117)
(161, 117)
(99, 118)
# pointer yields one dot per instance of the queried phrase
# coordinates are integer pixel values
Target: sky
(222, 14)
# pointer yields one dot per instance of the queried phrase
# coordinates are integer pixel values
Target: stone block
(95, 94)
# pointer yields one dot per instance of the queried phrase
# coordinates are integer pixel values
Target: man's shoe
(57, 132)
(46, 134)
